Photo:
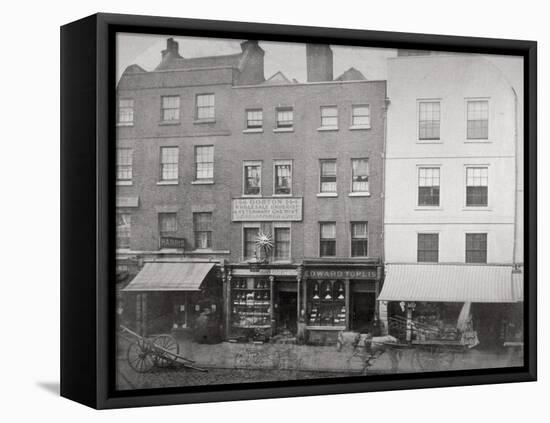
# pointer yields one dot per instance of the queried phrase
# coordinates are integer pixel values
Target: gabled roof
(351, 74)
(277, 78)
(134, 69)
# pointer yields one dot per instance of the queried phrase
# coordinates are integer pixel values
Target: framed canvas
(257, 211)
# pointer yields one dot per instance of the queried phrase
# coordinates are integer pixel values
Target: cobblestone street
(174, 377)
(229, 363)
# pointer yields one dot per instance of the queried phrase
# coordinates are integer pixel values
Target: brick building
(255, 202)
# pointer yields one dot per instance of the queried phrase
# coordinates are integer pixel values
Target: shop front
(339, 295)
(261, 303)
(422, 302)
(184, 298)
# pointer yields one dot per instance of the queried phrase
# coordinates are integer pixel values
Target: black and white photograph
(289, 211)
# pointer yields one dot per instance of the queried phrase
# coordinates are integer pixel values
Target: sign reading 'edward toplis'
(266, 209)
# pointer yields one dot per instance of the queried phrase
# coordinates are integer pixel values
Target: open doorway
(362, 309)
(287, 306)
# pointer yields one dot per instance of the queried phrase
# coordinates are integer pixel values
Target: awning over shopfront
(164, 276)
(448, 283)
(517, 284)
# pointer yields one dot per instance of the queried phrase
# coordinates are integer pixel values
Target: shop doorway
(362, 310)
(287, 305)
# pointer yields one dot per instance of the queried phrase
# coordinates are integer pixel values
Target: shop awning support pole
(347, 293)
(227, 311)
(410, 308)
(298, 296)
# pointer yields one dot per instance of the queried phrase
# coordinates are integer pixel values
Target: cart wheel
(140, 356)
(161, 358)
(435, 357)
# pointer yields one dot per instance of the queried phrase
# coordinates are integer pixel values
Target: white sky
(289, 58)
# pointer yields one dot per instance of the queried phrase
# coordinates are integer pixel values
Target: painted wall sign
(341, 274)
(127, 201)
(266, 209)
(172, 242)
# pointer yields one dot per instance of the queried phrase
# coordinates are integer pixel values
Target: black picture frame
(87, 211)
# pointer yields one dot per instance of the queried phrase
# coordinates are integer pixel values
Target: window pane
(169, 163)
(123, 229)
(328, 230)
(360, 175)
(282, 243)
(476, 186)
(204, 162)
(170, 108)
(283, 179)
(124, 164)
(254, 118)
(168, 224)
(252, 179)
(428, 248)
(428, 186)
(249, 247)
(478, 119)
(360, 115)
(328, 248)
(476, 248)
(126, 110)
(205, 106)
(328, 176)
(327, 242)
(285, 118)
(329, 116)
(429, 120)
(359, 239)
(202, 227)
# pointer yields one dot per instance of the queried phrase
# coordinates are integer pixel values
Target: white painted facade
(451, 80)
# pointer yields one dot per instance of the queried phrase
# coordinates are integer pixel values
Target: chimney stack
(172, 48)
(319, 62)
(251, 64)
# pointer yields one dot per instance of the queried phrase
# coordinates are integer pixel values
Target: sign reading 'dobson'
(266, 209)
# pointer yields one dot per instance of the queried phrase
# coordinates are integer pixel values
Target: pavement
(229, 362)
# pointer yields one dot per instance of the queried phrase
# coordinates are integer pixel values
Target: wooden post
(224, 298)
(304, 294)
(410, 308)
(347, 291)
(298, 298)
(227, 312)
(144, 313)
(271, 291)
(138, 314)
(376, 305)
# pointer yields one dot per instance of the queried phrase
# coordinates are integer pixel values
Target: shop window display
(251, 303)
(326, 303)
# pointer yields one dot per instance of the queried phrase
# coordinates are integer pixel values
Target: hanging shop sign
(266, 209)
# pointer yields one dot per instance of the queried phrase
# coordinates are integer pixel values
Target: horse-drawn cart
(158, 351)
(435, 348)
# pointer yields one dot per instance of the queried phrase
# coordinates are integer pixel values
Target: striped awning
(170, 277)
(448, 283)
(517, 284)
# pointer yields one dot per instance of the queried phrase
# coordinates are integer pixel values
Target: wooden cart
(159, 351)
(433, 350)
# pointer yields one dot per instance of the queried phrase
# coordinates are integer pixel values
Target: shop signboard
(342, 274)
(266, 209)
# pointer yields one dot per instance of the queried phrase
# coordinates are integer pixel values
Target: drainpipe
(515, 175)
(383, 306)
